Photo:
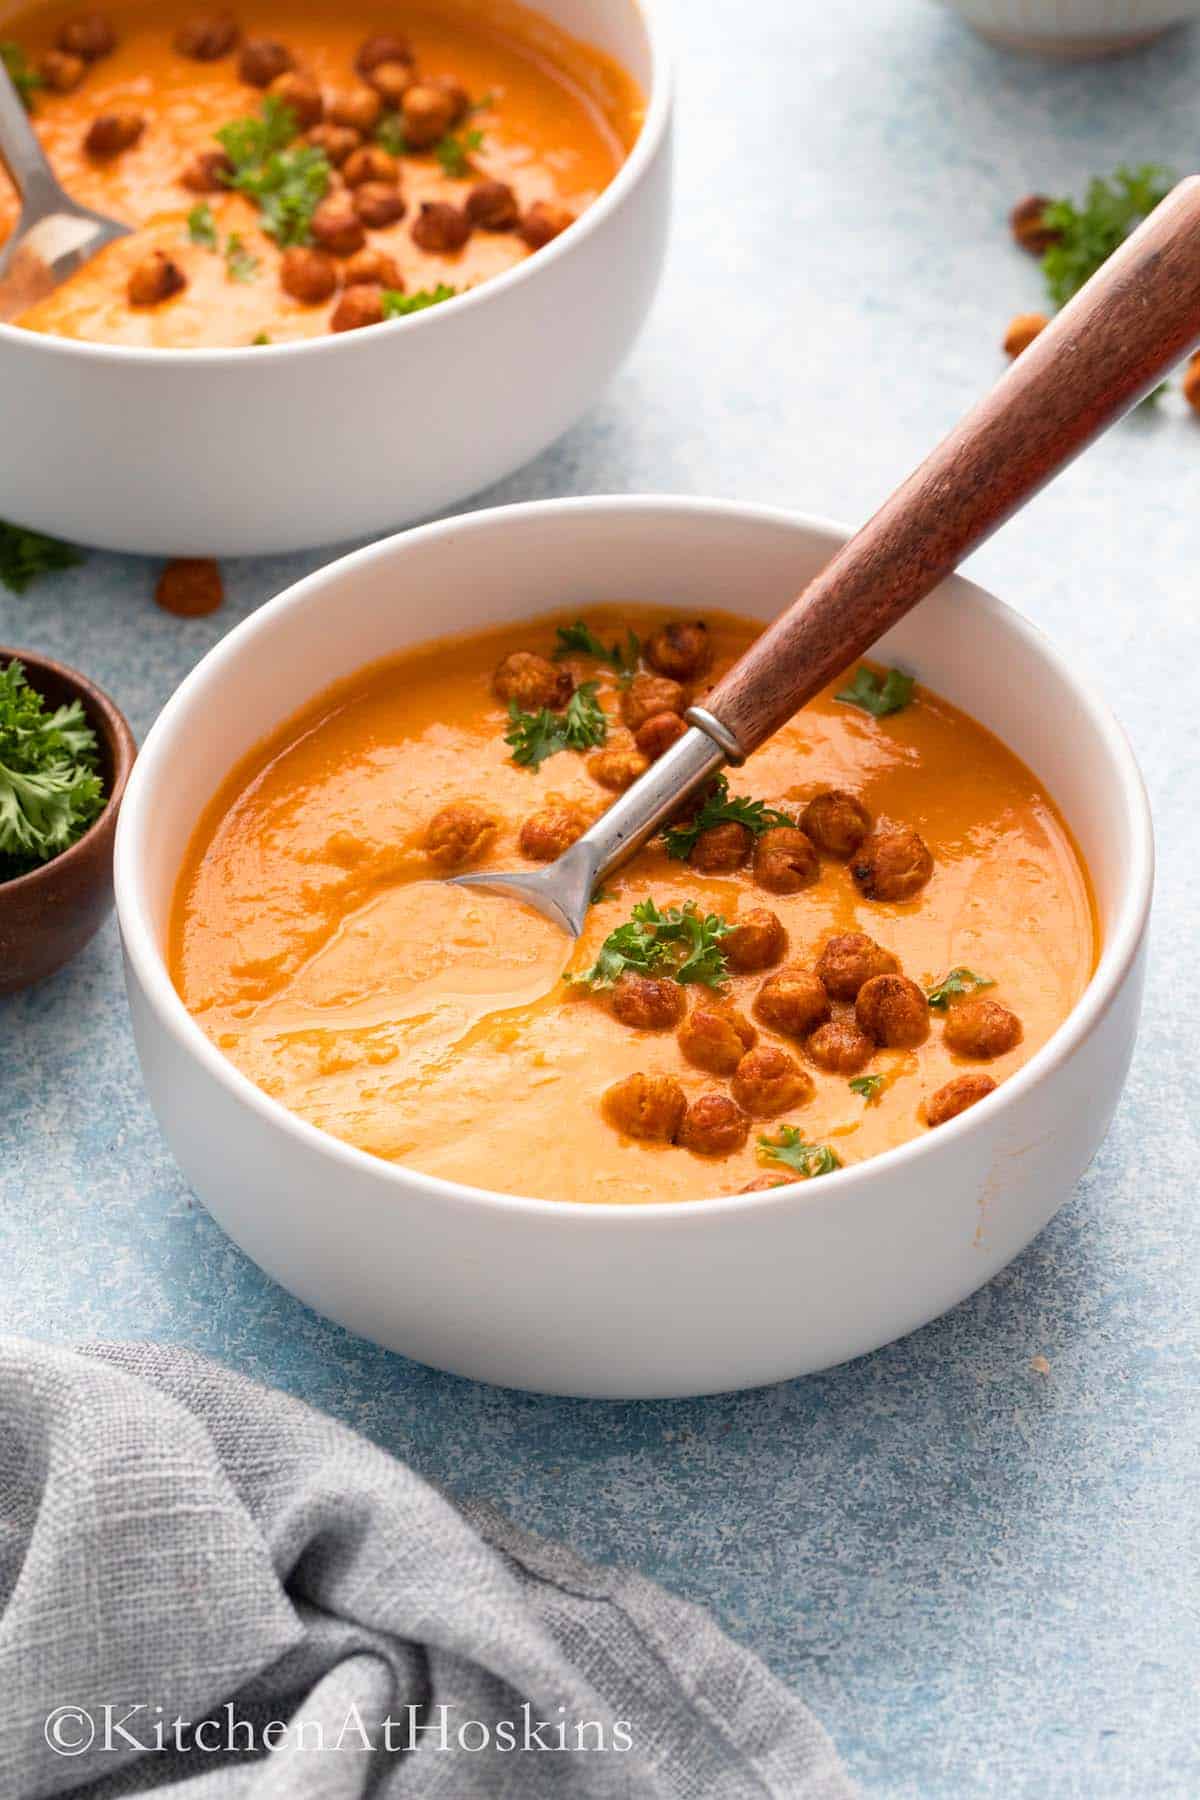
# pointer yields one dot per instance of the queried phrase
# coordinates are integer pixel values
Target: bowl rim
(122, 746)
(645, 151)
(148, 964)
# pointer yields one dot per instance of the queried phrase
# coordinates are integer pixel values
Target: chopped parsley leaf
(240, 264)
(869, 1086)
(202, 227)
(789, 1147)
(581, 725)
(249, 142)
(720, 808)
(877, 697)
(398, 306)
(50, 787)
(454, 153)
(25, 79)
(24, 555)
(390, 134)
(1088, 234)
(681, 943)
(579, 639)
(958, 981)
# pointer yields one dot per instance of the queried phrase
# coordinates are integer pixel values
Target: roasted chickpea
(713, 1125)
(113, 132)
(785, 860)
(89, 35)
(337, 227)
(190, 587)
(956, 1096)
(458, 834)
(837, 822)
(379, 203)
(543, 222)
(440, 228)
(383, 47)
(646, 1106)
(207, 36)
(427, 113)
(546, 834)
(207, 172)
(492, 206)
(61, 72)
(680, 650)
(849, 960)
(359, 305)
(157, 277)
(301, 95)
(371, 163)
(533, 681)
(756, 941)
(893, 1011)
(456, 93)
(263, 61)
(981, 1028)
(840, 1047)
(716, 1037)
(649, 695)
(647, 1002)
(358, 107)
(659, 733)
(617, 766)
(722, 848)
(308, 275)
(337, 142)
(768, 1082)
(1022, 330)
(1191, 383)
(893, 864)
(1029, 228)
(391, 81)
(792, 1001)
(370, 264)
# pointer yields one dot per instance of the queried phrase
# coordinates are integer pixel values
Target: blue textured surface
(983, 1578)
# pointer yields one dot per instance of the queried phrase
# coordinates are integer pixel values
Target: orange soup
(844, 944)
(293, 169)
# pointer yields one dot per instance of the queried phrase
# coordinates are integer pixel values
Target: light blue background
(983, 1579)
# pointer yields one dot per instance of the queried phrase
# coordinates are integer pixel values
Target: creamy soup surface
(316, 943)
(549, 118)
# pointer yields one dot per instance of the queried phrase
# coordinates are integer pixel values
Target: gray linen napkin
(178, 1543)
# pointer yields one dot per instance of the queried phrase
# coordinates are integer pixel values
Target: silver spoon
(1121, 333)
(54, 234)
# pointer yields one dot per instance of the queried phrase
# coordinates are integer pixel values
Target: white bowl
(610, 1300)
(1073, 27)
(244, 451)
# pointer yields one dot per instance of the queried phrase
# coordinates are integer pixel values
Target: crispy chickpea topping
(358, 107)
(893, 864)
(440, 228)
(785, 860)
(768, 1082)
(533, 681)
(646, 1106)
(492, 206)
(301, 93)
(336, 226)
(648, 696)
(391, 81)
(207, 36)
(1191, 382)
(956, 1096)
(543, 222)
(680, 651)
(371, 163)
(458, 834)
(263, 61)
(546, 834)
(647, 1002)
(383, 47)
(190, 587)
(757, 940)
(840, 1047)
(370, 264)
(981, 1028)
(1028, 222)
(617, 766)
(427, 113)
(837, 822)
(308, 275)
(659, 733)
(792, 1001)
(113, 132)
(713, 1125)
(89, 35)
(1022, 330)
(378, 203)
(62, 72)
(207, 172)
(715, 1037)
(722, 848)
(359, 305)
(849, 960)
(338, 142)
(893, 1011)
(157, 277)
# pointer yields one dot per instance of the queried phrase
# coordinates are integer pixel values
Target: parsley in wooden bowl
(65, 755)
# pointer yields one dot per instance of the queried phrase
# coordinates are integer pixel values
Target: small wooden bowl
(47, 916)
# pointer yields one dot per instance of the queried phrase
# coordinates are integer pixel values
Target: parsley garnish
(240, 263)
(580, 726)
(390, 134)
(260, 337)
(26, 80)
(454, 153)
(869, 1086)
(24, 555)
(718, 809)
(1089, 234)
(958, 981)
(877, 697)
(579, 639)
(50, 790)
(201, 226)
(288, 185)
(398, 306)
(681, 942)
(790, 1148)
(249, 142)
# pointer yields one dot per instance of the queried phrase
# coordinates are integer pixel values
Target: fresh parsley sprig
(682, 943)
(25, 79)
(580, 640)
(871, 695)
(789, 1148)
(240, 264)
(958, 981)
(248, 142)
(582, 725)
(868, 1086)
(1088, 234)
(390, 134)
(202, 227)
(286, 184)
(398, 306)
(454, 153)
(50, 787)
(720, 808)
(25, 554)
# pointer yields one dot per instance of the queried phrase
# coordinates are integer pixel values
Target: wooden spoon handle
(1120, 334)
